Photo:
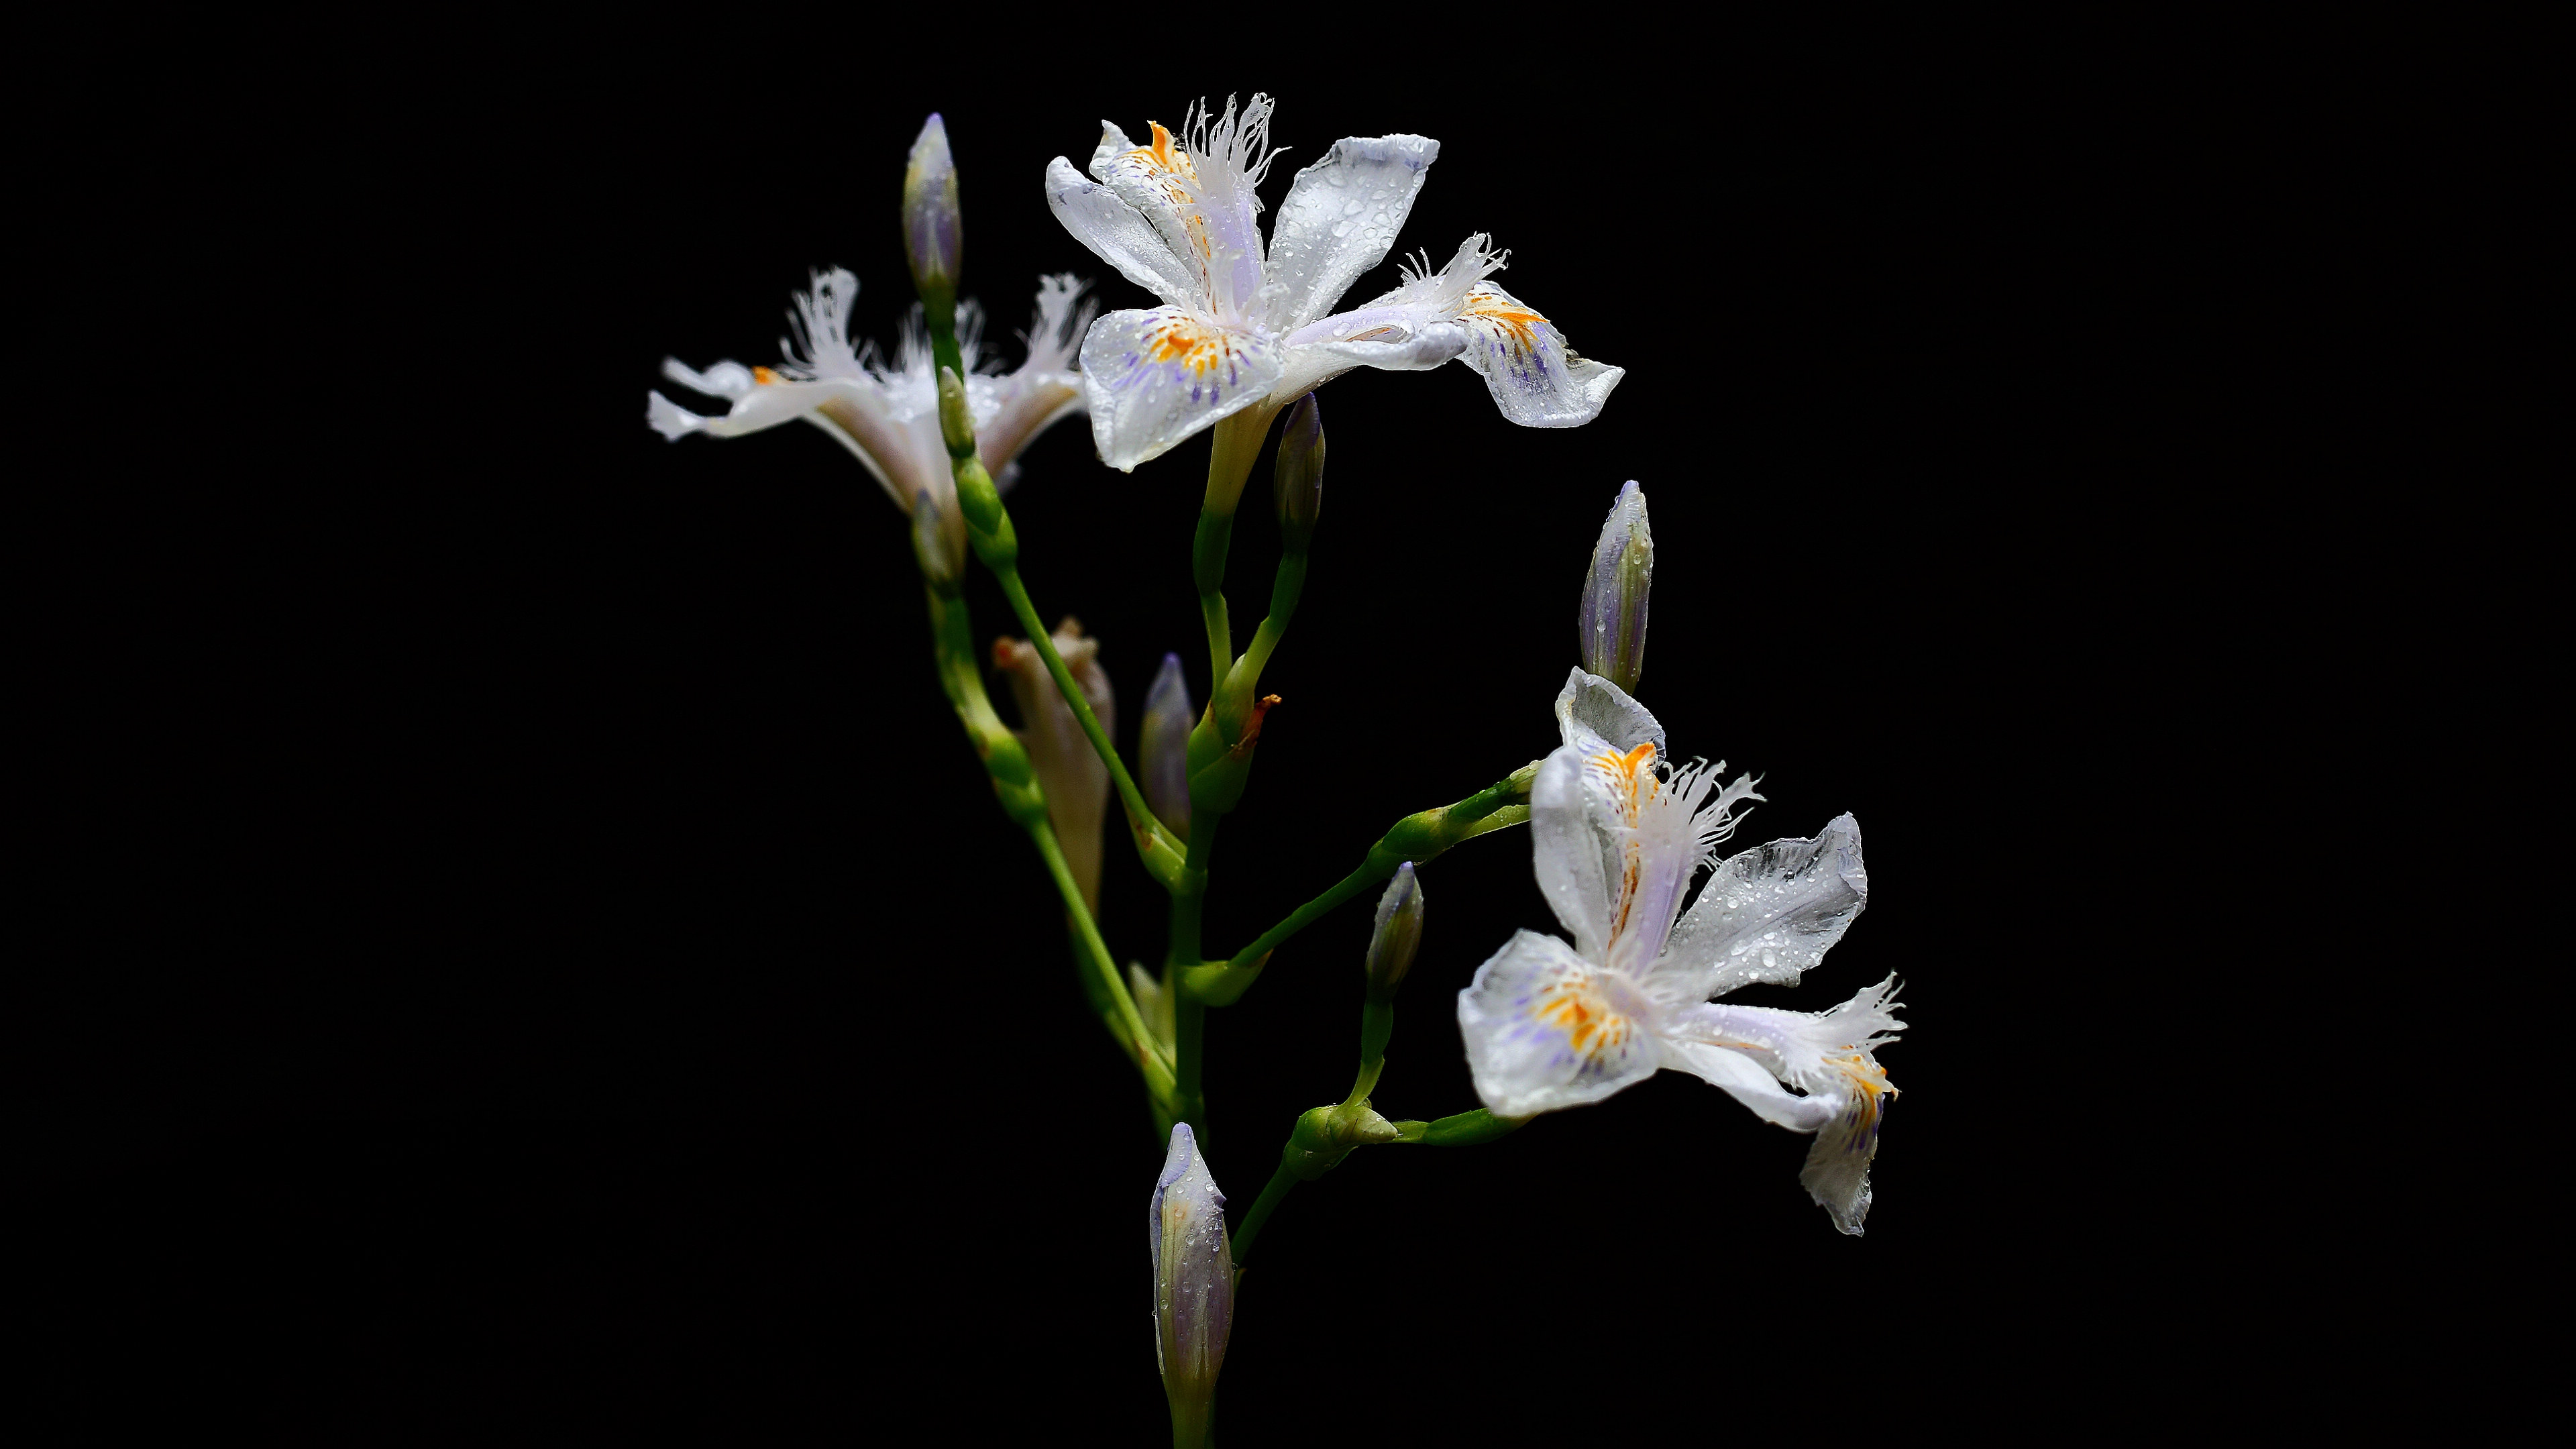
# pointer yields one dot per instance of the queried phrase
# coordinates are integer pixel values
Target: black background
(660, 1031)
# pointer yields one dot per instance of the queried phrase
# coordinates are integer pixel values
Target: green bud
(1398, 935)
(933, 234)
(1299, 481)
(1613, 619)
(956, 419)
(1326, 1135)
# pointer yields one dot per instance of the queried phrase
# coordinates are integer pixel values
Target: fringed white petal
(1156, 377)
(1594, 714)
(1121, 236)
(727, 379)
(1340, 219)
(1770, 913)
(1546, 1030)
(1535, 378)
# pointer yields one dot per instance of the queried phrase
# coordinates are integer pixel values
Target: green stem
(1262, 1207)
(1006, 760)
(1417, 838)
(1207, 570)
(1467, 1129)
(1129, 1025)
(1189, 1017)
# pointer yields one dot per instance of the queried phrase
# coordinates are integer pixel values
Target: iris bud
(933, 237)
(1193, 1284)
(1398, 935)
(1299, 481)
(1613, 621)
(1163, 742)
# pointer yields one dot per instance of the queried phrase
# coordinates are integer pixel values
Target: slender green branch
(1207, 570)
(1281, 1183)
(1467, 1129)
(1417, 838)
(1129, 1025)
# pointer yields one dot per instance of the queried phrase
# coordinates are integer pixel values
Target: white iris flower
(888, 417)
(1618, 835)
(1244, 326)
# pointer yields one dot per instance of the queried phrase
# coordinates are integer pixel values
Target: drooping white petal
(1340, 219)
(1594, 714)
(1836, 1174)
(1744, 1079)
(1771, 912)
(1578, 867)
(1156, 377)
(1122, 236)
(1546, 1029)
(1535, 378)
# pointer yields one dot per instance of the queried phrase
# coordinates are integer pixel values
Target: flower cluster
(1628, 842)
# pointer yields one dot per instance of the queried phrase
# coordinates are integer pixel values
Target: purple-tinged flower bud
(932, 235)
(1299, 481)
(1193, 1285)
(1163, 743)
(1398, 935)
(1613, 621)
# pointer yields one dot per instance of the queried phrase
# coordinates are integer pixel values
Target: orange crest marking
(1511, 316)
(1591, 1025)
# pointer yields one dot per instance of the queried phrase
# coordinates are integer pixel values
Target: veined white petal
(1578, 861)
(1310, 367)
(1596, 715)
(1546, 1029)
(1340, 219)
(1121, 236)
(1159, 182)
(1158, 376)
(1744, 1079)
(1822, 1052)
(764, 406)
(1771, 912)
(1536, 380)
